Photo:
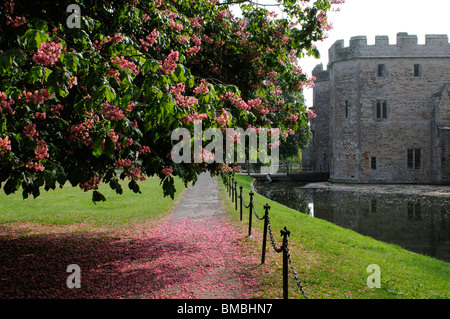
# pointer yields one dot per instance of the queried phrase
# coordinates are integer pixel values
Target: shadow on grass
(35, 265)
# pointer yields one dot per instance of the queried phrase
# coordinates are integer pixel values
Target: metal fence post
(235, 195)
(285, 233)
(240, 196)
(250, 215)
(266, 224)
(232, 190)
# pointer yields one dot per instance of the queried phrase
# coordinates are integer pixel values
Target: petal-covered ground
(194, 253)
(180, 258)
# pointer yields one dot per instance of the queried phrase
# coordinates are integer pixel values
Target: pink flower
(311, 113)
(113, 112)
(41, 151)
(5, 104)
(124, 64)
(292, 118)
(202, 88)
(223, 119)
(36, 166)
(17, 22)
(5, 145)
(167, 170)
(149, 40)
(48, 53)
(30, 131)
(144, 150)
(170, 63)
(193, 50)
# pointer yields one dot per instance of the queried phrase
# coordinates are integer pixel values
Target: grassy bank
(332, 262)
(70, 205)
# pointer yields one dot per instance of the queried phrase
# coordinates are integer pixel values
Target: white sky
(380, 17)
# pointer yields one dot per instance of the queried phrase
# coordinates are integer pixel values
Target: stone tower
(383, 111)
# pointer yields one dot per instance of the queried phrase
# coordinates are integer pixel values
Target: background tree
(96, 104)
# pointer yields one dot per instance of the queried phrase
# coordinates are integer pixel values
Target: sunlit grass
(71, 205)
(332, 261)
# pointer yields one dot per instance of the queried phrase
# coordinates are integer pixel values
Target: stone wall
(384, 111)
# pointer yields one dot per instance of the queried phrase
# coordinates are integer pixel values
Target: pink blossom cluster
(235, 100)
(144, 150)
(124, 64)
(38, 96)
(41, 151)
(73, 81)
(158, 3)
(80, 132)
(276, 91)
(6, 104)
(9, 6)
(167, 170)
(323, 20)
(254, 103)
(92, 183)
(40, 115)
(30, 131)
(36, 166)
(202, 88)
(174, 25)
(5, 145)
(270, 78)
(114, 39)
(170, 63)
(135, 174)
(196, 39)
(180, 99)
(311, 113)
(196, 22)
(149, 40)
(124, 162)
(194, 117)
(223, 119)
(56, 109)
(17, 22)
(112, 112)
(227, 168)
(48, 53)
(193, 50)
(292, 118)
(207, 39)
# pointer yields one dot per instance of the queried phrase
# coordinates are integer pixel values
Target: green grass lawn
(70, 205)
(332, 261)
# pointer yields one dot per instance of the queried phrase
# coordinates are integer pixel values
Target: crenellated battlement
(436, 45)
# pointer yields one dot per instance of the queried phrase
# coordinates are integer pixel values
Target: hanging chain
(278, 250)
(297, 280)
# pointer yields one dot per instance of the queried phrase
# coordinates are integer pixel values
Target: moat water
(417, 219)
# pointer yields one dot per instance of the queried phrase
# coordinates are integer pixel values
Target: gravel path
(222, 266)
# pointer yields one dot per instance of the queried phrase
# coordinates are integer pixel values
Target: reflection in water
(417, 223)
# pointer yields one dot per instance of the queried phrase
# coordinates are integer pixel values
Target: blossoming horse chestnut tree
(96, 104)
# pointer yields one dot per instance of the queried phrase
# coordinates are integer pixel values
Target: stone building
(383, 111)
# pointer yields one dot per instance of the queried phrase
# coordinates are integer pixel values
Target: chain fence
(231, 185)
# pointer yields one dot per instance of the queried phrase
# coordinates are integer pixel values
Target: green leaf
(178, 74)
(70, 61)
(98, 143)
(150, 66)
(134, 186)
(32, 39)
(97, 197)
(106, 92)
